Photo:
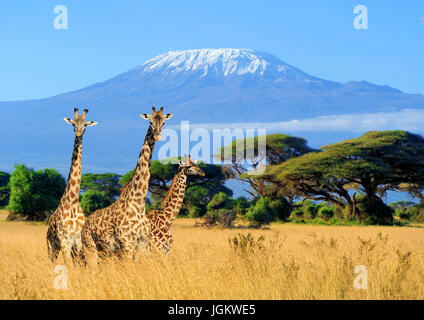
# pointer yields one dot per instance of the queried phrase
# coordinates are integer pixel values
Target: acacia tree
(246, 154)
(108, 183)
(372, 164)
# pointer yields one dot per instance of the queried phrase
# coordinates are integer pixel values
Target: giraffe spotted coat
(123, 226)
(161, 220)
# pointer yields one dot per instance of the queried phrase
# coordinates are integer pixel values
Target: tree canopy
(35, 193)
(93, 200)
(246, 154)
(108, 183)
(371, 164)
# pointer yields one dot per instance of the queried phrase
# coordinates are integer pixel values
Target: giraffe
(161, 220)
(65, 225)
(123, 226)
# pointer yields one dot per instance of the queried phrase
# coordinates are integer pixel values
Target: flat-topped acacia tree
(372, 164)
(245, 154)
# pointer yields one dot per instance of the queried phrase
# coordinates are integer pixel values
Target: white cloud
(407, 119)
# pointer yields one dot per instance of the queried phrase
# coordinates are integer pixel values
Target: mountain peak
(224, 62)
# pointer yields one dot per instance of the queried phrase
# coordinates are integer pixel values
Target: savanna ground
(284, 262)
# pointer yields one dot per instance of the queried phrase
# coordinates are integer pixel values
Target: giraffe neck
(173, 200)
(74, 178)
(136, 189)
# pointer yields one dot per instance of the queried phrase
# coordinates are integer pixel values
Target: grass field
(289, 262)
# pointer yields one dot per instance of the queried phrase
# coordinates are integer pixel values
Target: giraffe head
(79, 122)
(157, 120)
(190, 167)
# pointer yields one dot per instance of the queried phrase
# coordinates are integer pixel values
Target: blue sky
(106, 38)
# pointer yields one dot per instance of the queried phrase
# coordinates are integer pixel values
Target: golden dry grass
(294, 262)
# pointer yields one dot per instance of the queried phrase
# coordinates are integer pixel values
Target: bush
(35, 193)
(326, 212)
(220, 201)
(223, 217)
(374, 211)
(404, 214)
(282, 208)
(310, 210)
(93, 200)
(305, 210)
(261, 212)
(241, 205)
(196, 212)
(296, 214)
(417, 213)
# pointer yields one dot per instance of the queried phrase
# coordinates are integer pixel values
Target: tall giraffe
(123, 226)
(65, 225)
(161, 220)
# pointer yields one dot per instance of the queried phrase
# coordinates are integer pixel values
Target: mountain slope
(206, 85)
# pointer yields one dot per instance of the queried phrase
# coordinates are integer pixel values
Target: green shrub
(282, 208)
(93, 200)
(220, 201)
(326, 212)
(221, 217)
(35, 194)
(261, 212)
(404, 214)
(241, 205)
(417, 213)
(196, 212)
(374, 211)
(310, 210)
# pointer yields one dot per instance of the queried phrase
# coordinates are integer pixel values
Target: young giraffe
(161, 220)
(123, 226)
(65, 225)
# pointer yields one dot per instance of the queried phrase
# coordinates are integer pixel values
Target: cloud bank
(407, 119)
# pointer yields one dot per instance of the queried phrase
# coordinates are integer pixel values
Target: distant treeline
(342, 183)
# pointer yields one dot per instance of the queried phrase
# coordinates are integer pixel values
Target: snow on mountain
(221, 62)
(202, 86)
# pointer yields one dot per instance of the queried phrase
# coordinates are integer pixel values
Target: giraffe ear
(180, 163)
(91, 123)
(145, 116)
(68, 120)
(168, 116)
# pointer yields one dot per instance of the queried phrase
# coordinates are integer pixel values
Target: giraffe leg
(66, 251)
(161, 243)
(76, 252)
(89, 249)
(169, 243)
(53, 248)
(127, 249)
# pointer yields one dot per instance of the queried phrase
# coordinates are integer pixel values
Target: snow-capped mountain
(222, 63)
(202, 86)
